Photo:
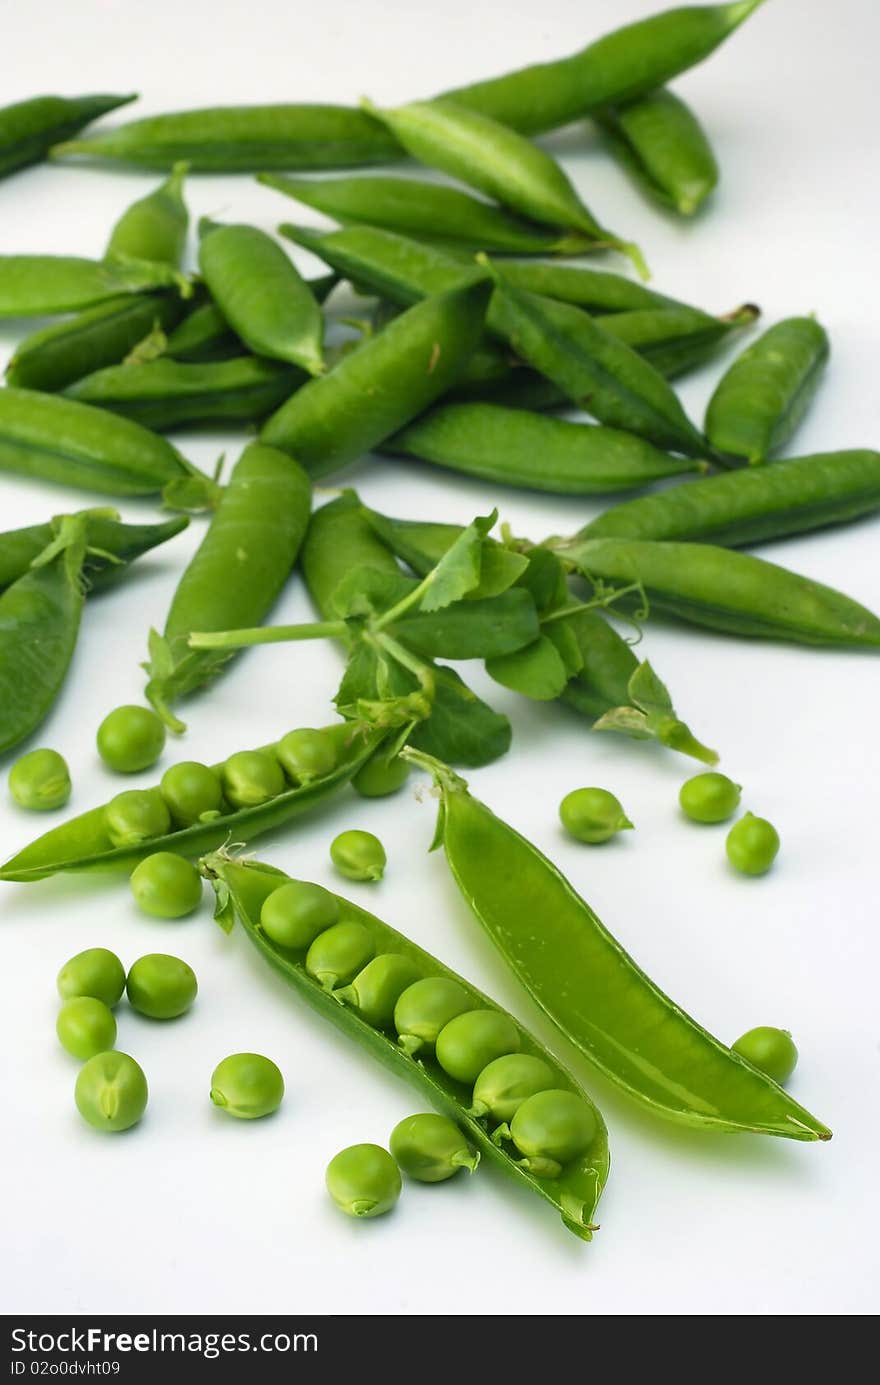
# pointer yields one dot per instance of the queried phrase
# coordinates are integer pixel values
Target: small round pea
(193, 793)
(247, 1085)
(425, 1008)
(111, 1091)
(752, 845)
(431, 1148)
(252, 777)
(709, 797)
(468, 1043)
(97, 972)
(380, 777)
(295, 913)
(85, 1026)
(770, 1050)
(166, 886)
(375, 991)
(552, 1128)
(160, 986)
(131, 738)
(505, 1083)
(40, 781)
(592, 815)
(136, 816)
(339, 953)
(363, 1181)
(306, 755)
(358, 855)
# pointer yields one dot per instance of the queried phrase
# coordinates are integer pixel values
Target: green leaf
(629, 720)
(467, 629)
(360, 679)
(567, 646)
(536, 671)
(458, 571)
(544, 577)
(462, 729)
(161, 662)
(500, 568)
(648, 692)
(366, 591)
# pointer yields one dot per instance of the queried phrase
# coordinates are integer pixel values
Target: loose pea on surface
(193, 793)
(85, 1026)
(425, 1008)
(295, 913)
(40, 781)
(363, 1181)
(339, 953)
(552, 1128)
(96, 972)
(130, 738)
(752, 845)
(709, 797)
(306, 754)
(431, 1148)
(136, 816)
(505, 1083)
(471, 1041)
(247, 1085)
(160, 986)
(375, 991)
(252, 777)
(358, 855)
(380, 777)
(166, 886)
(592, 815)
(770, 1050)
(111, 1091)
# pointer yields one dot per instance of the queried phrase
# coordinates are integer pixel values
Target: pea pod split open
(591, 988)
(242, 888)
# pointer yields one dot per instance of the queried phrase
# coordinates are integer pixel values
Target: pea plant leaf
(480, 629)
(366, 591)
(567, 646)
(421, 545)
(544, 577)
(462, 729)
(537, 671)
(458, 571)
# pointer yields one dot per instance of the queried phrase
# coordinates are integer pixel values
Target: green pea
(338, 954)
(295, 913)
(166, 886)
(85, 1026)
(375, 991)
(425, 1008)
(247, 1085)
(40, 781)
(135, 816)
(709, 797)
(130, 738)
(752, 845)
(471, 1041)
(363, 1181)
(550, 1129)
(358, 855)
(431, 1148)
(193, 793)
(306, 755)
(592, 815)
(97, 972)
(380, 777)
(160, 986)
(252, 777)
(111, 1091)
(770, 1050)
(505, 1083)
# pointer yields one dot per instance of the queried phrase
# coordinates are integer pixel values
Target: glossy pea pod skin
(574, 1194)
(591, 988)
(28, 129)
(204, 334)
(676, 339)
(341, 539)
(374, 391)
(762, 398)
(44, 285)
(237, 573)
(659, 140)
(262, 295)
(83, 843)
(153, 228)
(110, 546)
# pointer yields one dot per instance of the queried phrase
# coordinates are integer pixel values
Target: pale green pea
(471, 1041)
(166, 886)
(338, 954)
(425, 1008)
(252, 777)
(550, 1129)
(709, 797)
(97, 972)
(161, 987)
(380, 777)
(193, 793)
(247, 1086)
(130, 738)
(752, 845)
(111, 1092)
(85, 1026)
(306, 755)
(358, 855)
(505, 1083)
(431, 1148)
(363, 1181)
(592, 815)
(375, 991)
(770, 1050)
(295, 913)
(136, 816)
(40, 781)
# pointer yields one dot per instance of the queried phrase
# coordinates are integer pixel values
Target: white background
(194, 1212)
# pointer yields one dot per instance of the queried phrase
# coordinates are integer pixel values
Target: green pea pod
(61, 440)
(42, 285)
(659, 140)
(203, 335)
(591, 988)
(242, 888)
(166, 394)
(28, 129)
(728, 591)
(262, 295)
(761, 400)
(55, 356)
(597, 371)
(153, 228)
(110, 546)
(375, 390)
(235, 576)
(676, 339)
(84, 844)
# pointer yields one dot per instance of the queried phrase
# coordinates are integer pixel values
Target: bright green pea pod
(677, 338)
(761, 400)
(235, 576)
(339, 540)
(110, 546)
(83, 843)
(28, 129)
(727, 591)
(262, 295)
(659, 140)
(243, 886)
(203, 335)
(153, 228)
(591, 989)
(166, 394)
(43, 285)
(372, 392)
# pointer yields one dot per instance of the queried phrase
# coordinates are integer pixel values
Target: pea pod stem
(268, 634)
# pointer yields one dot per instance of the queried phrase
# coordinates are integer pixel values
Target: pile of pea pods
(484, 324)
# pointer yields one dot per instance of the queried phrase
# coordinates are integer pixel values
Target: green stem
(268, 634)
(417, 667)
(406, 603)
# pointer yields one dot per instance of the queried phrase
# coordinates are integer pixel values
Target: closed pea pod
(676, 339)
(28, 129)
(375, 991)
(43, 285)
(203, 335)
(431, 1148)
(111, 545)
(153, 228)
(659, 140)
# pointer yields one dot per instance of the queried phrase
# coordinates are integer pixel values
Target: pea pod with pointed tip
(110, 545)
(154, 227)
(28, 129)
(658, 139)
(44, 285)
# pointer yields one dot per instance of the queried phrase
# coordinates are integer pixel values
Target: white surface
(193, 1212)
